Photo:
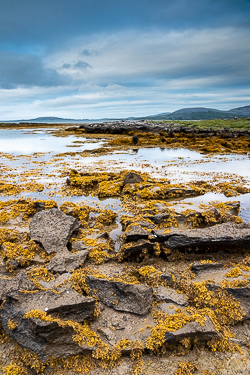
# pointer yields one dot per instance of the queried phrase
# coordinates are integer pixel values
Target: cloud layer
(179, 54)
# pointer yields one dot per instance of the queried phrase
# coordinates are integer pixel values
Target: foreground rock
(221, 234)
(132, 178)
(53, 229)
(66, 261)
(134, 298)
(46, 338)
(193, 330)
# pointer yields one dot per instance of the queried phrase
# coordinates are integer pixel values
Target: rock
(135, 233)
(193, 330)
(46, 338)
(134, 298)
(132, 178)
(168, 308)
(198, 266)
(167, 277)
(66, 261)
(141, 331)
(137, 247)
(20, 282)
(221, 234)
(53, 229)
(54, 283)
(163, 294)
(135, 139)
(159, 218)
(79, 246)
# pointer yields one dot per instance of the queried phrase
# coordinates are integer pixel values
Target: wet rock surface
(52, 228)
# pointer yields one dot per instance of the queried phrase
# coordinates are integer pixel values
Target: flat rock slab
(53, 229)
(193, 330)
(134, 298)
(46, 338)
(65, 261)
(199, 267)
(220, 234)
(136, 247)
(163, 294)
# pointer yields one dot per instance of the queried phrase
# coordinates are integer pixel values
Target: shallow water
(24, 141)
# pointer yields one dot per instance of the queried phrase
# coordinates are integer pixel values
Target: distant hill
(197, 113)
(245, 111)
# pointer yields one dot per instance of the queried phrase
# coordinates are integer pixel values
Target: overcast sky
(118, 58)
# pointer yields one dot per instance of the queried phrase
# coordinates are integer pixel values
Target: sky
(90, 59)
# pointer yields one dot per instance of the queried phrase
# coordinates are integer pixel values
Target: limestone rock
(53, 229)
(134, 298)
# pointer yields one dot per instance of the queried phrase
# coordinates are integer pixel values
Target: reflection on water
(19, 141)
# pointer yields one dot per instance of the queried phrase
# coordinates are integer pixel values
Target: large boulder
(46, 338)
(134, 298)
(53, 229)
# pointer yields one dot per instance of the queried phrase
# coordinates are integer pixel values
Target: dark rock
(52, 228)
(137, 247)
(221, 234)
(193, 330)
(167, 277)
(198, 266)
(66, 261)
(163, 294)
(135, 139)
(159, 218)
(132, 298)
(132, 178)
(135, 233)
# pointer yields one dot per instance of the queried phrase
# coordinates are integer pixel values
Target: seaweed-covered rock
(137, 247)
(53, 229)
(193, 330)
(199, 266)
(46, 338)
(134, 298)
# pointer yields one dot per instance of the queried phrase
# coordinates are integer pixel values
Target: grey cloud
(27, 70)
(81, 65)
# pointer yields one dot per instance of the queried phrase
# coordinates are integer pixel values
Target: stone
(53, 229)
(66, 261)
(163, 294)
(79, 246)
(46, 338)
(167, 277)
(221, 234)
(135, 233)
(193, 330)
(137, 247)
(159, 218)
(134, 298)
(198, 266)
(168, 308)
(132, 178)
(20, 282)
(56, 282)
